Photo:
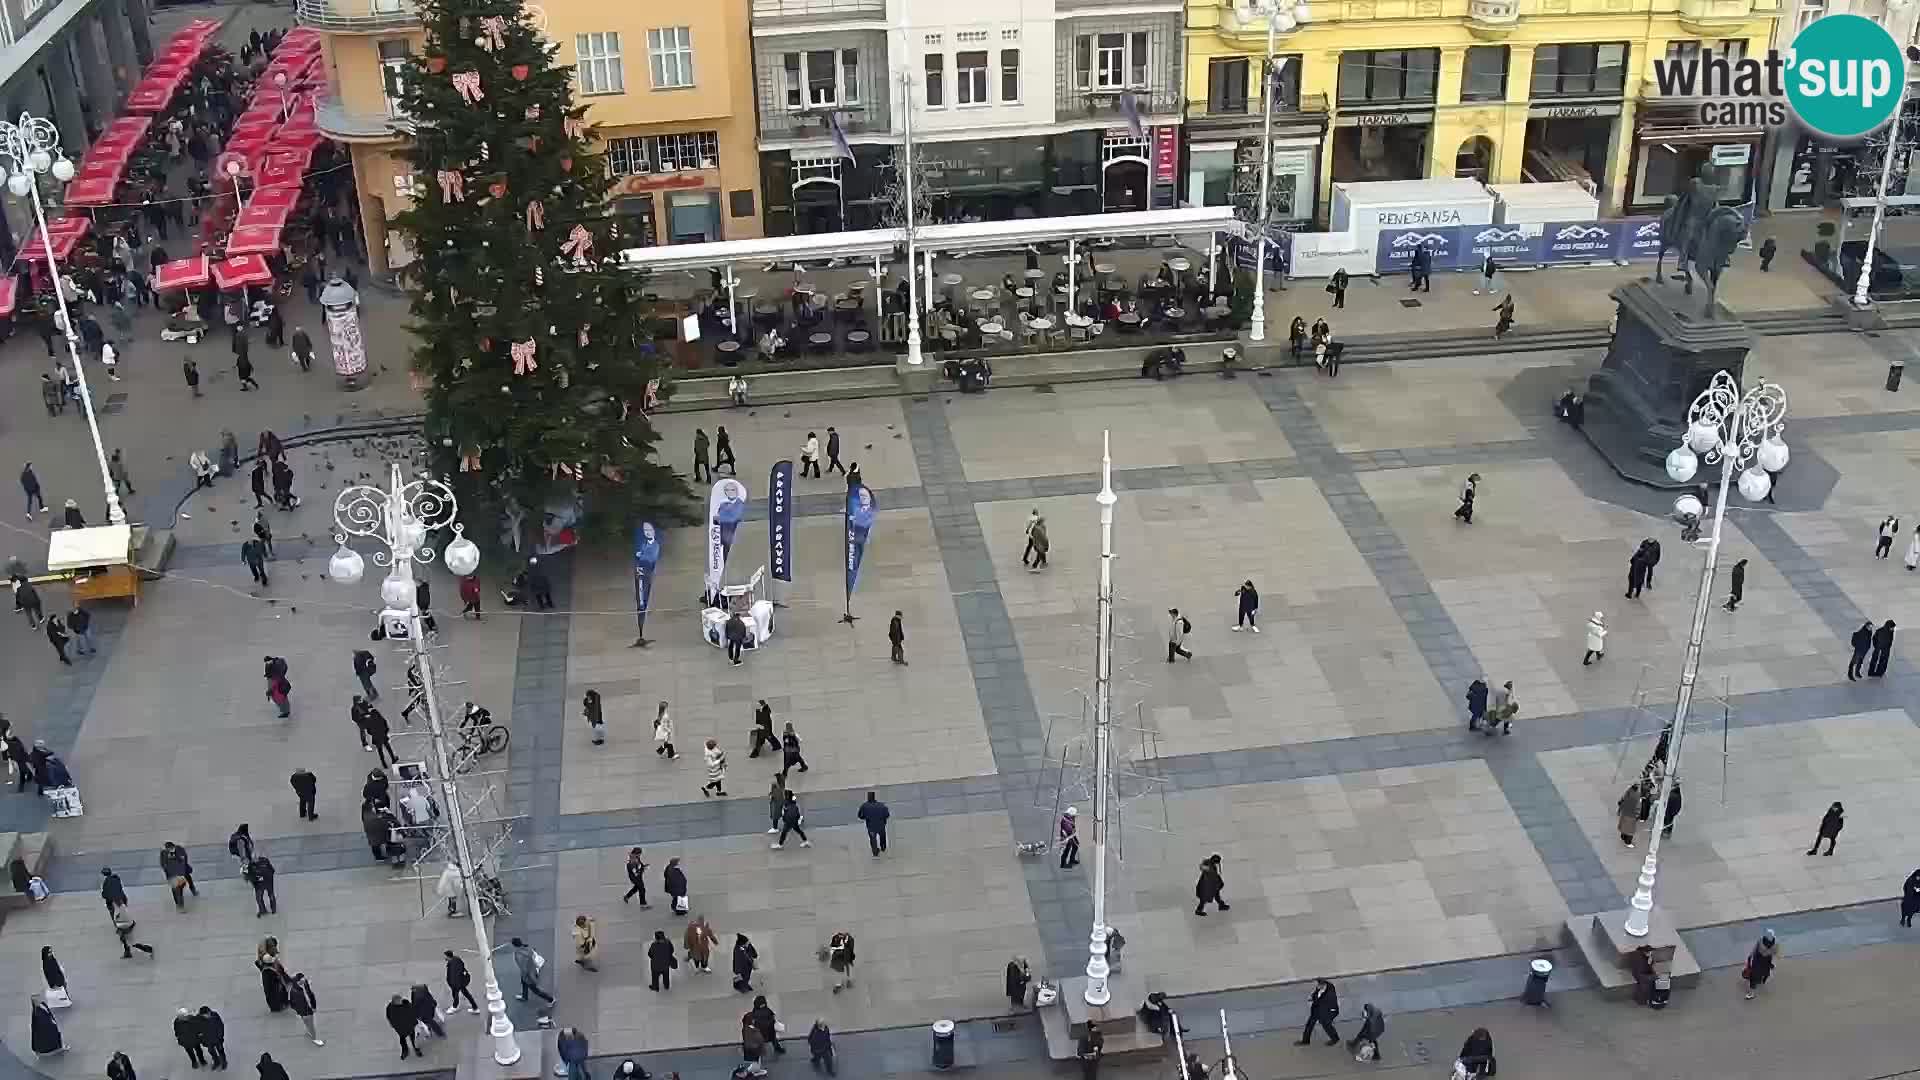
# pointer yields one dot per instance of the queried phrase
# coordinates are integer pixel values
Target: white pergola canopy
(971, 236)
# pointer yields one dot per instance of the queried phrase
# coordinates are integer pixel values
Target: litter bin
(1894, 371)
(1538, 974)
(943, 1044)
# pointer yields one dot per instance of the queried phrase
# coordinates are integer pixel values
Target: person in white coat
(663, 733)
(716, 770)
(810, 457)
(1913, 549)
(1596, 638)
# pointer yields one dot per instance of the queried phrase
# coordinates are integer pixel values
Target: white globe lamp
(63, 170)
(1682, 464)
(1703, 436)
(1300, 12)
(1688, 506)
(462, 556)
(1773, 454)
(346, 566)
(39, 161)
(1755, 483)
(20, 184)
(396, 591)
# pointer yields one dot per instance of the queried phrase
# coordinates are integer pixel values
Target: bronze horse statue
(1713, 246)
(1681, 222)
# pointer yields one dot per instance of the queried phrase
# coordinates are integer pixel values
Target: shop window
(1485, 77)
(1009, 75)
(1387, 76)
(1474, 159)
(1564, 70)
(1227, 85)
(1111, 61)
(625, 157)
(693, 216)
(936, 80)
(970, 78)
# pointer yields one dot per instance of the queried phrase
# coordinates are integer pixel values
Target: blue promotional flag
(1130, 109)
(860, 509)
(839, 133)
(646, 556)
(726, 508)
(780, 520)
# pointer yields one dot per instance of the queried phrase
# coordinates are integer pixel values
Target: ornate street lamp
(1284, 20)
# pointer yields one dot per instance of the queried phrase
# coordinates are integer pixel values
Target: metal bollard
(1894, 371)
(943, 1044)
(1536, 992)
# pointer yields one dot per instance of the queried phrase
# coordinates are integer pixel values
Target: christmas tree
(528, 330)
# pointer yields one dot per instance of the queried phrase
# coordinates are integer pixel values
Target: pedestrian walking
(790, 822)
(255, 556)
(123, 925)
(459, 983)
(1673, 808)
(1768, 249)
(874, 814)
(1211, 886)
(810, 457)
(378, 735)
(1862, 641)
(1069, 838)
(305, 788)
(1489, 271)
(273, 974)
(699, 940)
(723, 451)
(833, 452)
(716, 770)
(80, 626)
(1760, 961)
(636, 880)
(590, 709)
(1177, 630)
(401, 1019)
(30, 483)
(191, 372)
(529, 963)
(270, 1069)
(820, 1046)
(117, 472)
(1596, 639)
(1831, 823)
(673, 881)
(301, 999)
(1889, 528)
(57, 637)
(426, 1010)
(470, 597)
(790, 751)
(365, 667)
(744, 954)
(1323, 1007)
(660, 962)
(1092, 1044)
(540, 585)
(1365, 1044)
(1637, 573)
(1476, 703)
(1468, 491)
(173, 867)
(1738, 580)
(186, 1032)
(700, 462)
(1910, 899)
(1627, 811)
(1882, 649)
(1034, 521)
(213, 1036)
(1337, 285)
(767, 1023)
(51, 396)
(840, 958)
(586, 943)
(897, 638)
(110, 360)
(1913, 550)
(663, 734)
(26, 598)
(763, 729)
(1248, 598)
(1503, 710)
(120, 1067)
(776, 801)
(112, 892)
(1019, 975)
(1652, 547)
(259, 874)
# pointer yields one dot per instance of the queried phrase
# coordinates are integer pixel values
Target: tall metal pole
(1258, 331)
(400, 532)
(20, 143)
(1880, 201)
(1097, 971)
(914, 358)
(1226, 1045)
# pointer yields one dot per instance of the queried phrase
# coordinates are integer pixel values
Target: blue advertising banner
(860, 509)
(780, 520)
(1579, 241)
(646, 556)
(1639, 238)
(1509, 245)
(1393, 249)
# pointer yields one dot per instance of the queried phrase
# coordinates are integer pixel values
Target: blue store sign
(1393, 248)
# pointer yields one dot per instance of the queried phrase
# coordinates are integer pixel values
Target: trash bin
(943, 1044)
(1894, 371)
(1536, 992)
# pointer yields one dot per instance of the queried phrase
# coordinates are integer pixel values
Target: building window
(1560, 70)
(1809, 11)
(969, 37)
(1227, 85)
(933, 39)
(1732, 50)
(670, 55)
(625, 157)
(936, 80)
(832, 77)
(1010, 35)
(1485, 77)
(598, 63)
(394, 60)
(1285, 77)
(1387, 76)
(1009, 74)
(970, 78)
(1111, 61)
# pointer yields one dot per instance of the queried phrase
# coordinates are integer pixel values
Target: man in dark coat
(111, 891)
(1862, 641)
(1652, 548)
(1637, 573)
(213, 1035)
(1210, 887)
(1476, 703)
(306, 788)
(766, 1023)
(661, 962)
(1882, 649)
(400, 1017)
(897, 636)
(1831, 823)
(875, 814)
(189, 1032)
(1323, 1007)
(254, 554)
(1738, 585)
(259, 874)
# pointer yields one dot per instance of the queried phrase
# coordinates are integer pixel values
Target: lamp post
(1732, 428)
(32, 148)
(1097, 968)
(912, 222)
(400, 517)
(1279, 19)
(1860, 299)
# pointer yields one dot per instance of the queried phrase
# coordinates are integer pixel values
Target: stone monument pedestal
(1663, 354)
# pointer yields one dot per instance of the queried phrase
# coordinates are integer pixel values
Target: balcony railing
(336, 121)
(1105, 104)
(867, 118)
(1242, 109)
(817, 9)
(357, 16)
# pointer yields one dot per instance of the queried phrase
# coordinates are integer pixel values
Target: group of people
(1318, 340)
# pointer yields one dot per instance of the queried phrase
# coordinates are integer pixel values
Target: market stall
(98, 562)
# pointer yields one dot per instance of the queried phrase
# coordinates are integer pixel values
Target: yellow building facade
(1503, 91)
(669, 86)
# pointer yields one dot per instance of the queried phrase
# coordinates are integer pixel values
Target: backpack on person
(1186, 627)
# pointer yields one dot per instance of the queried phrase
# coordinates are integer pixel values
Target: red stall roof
(241, 270)
(254, 240)
(92, 191)
(183, 274)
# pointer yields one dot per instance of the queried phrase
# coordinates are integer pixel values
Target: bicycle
(492, 896)
(477, 741)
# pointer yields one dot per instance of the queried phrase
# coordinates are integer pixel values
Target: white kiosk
(745, 601)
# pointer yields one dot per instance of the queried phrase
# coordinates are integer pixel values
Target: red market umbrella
(297, 147)
(254, 241)
(277, 195)
(241, 271)
(91, 191)
(147, 98)
(262, 216)
(63, 245)
(191, 273)
(279, 176)
(9, 294)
